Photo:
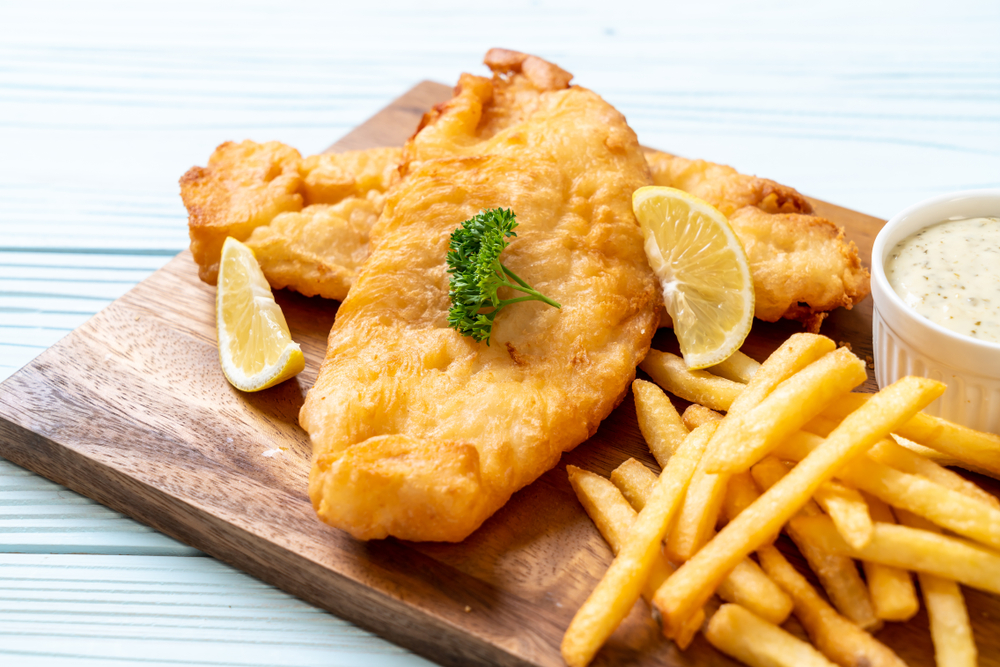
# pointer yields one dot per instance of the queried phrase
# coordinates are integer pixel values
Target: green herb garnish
(477, 274)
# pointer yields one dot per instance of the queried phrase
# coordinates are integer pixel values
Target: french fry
(947, 508)
(980, 450)
(951, 630)
(893, 594)
(896, 456)
(758, 643)
(670, 372)
(836, 637)
(746, 585)
(738, 368)
(696, 520)
(848, 510)
(693, 583)
(740, 494)
(659, 422)
(635, 482)
(695, 415)
(614, 517)
(939, 457)
(838, 574)
(954, 510)
(621, 585)
(792, 403)
(703, 502)
(906, 548)
(796, 353)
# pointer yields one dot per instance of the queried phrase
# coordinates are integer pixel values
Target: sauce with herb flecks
(950, 274)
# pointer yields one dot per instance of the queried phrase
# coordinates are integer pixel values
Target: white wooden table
(104, 105)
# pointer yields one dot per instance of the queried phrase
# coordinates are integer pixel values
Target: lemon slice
(255, 346)
(707, 287)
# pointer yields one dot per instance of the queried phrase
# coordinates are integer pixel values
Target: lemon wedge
(707, 287)
(255, 347)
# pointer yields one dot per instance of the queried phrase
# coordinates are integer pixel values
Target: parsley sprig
(477, 274)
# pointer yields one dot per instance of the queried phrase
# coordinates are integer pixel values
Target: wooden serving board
(132, 410)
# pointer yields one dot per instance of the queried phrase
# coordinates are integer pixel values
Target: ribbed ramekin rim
(886, 290)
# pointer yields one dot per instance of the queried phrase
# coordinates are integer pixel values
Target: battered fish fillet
(306, 219)
(801, 264)
(421, 433)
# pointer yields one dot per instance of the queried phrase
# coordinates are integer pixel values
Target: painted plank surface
(189, 459)
(64, 609)
(39, 516)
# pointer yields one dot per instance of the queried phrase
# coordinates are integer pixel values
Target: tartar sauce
(950, 274)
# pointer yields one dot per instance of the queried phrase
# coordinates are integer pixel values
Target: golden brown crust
(722, 186)
(331, 177)
(541, 73)
(400, 390)
(243, 187)
(267, 196)
(802, 265)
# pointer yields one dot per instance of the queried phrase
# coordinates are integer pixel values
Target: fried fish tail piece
(802, 266)
(421, 433)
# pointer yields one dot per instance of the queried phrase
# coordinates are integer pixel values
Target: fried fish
(802, 266)
(307, 220)
(421, 433)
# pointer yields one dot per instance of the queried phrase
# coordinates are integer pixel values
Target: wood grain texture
(132, 410)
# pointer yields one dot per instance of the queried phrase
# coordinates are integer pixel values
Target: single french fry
(835, 636)
(937, 457)
(635, 482)
(951, 630)
(893, 594)
(848, 510)
(621, 585)
(738, 368)
(746, 584)
(981, 450)
(946, 507)
(740, 494)
(909, 549)
(659, 422)
(752, 640)
(670, 372)
(696, 520)
(614, 517)
(703, 502)
(796, 353)
(693, 583)
(896, 456)
(695, 415)
(792, 403)
(838, 574)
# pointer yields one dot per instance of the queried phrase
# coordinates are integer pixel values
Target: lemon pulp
(701, 264)
(256, 349)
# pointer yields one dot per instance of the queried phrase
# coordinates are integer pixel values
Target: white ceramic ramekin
(909, 344)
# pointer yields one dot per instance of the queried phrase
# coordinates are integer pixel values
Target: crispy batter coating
(330, 177)
(243, 187)
(317, 251)
(421, 433)
(247, 186)
(801, 264)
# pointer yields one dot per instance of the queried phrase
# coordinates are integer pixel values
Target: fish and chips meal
(497, 296)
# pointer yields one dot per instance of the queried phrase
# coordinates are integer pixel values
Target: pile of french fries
(848, 477)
